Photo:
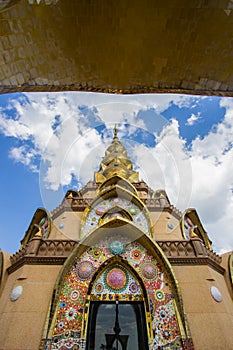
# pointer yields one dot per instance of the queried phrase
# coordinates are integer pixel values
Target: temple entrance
(117, 326)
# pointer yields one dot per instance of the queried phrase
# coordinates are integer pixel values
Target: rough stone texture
(178, 46)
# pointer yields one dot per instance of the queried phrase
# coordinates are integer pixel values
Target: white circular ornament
(16, 293)
(216, 294)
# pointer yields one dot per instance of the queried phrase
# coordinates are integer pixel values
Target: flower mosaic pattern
(44, 227)
(164, 323)
(84, 269)
(149, 270)
(94, 215)
(116, 247)
(115, 280)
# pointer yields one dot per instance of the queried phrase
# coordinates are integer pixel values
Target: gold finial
(115, 131)
(39, 232)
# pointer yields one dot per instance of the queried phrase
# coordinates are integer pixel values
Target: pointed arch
(116, 196)
(40, 225)
(115, 212)
(128, 290)
(138, 254)
(119, 181)
(192, 227)
(117, 260)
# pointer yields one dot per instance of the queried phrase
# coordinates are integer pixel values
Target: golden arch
(111, 192)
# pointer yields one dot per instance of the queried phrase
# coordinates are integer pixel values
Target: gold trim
(163, 260)
(198, 231)
(118, 224)
(116, 162)
(111, 193)
(34, 223)
(119, 179)
(231, 268)
(115, 210)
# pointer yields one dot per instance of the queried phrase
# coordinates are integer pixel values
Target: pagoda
(116, 266)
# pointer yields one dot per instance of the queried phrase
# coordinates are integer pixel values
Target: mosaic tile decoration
(188, 227)
(164, 323)
(44, 227)
(96, 212)
(115, 280)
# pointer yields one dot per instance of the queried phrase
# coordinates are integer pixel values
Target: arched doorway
(117, 315)
(117, 326)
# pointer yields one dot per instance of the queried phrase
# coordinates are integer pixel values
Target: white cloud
(14, 128)
(212, 166)
(37, 116)
(189, 101)
(193, 118)
(201, 177)
(167, 165)
(72, 152)
(23, 155)
(64, 137)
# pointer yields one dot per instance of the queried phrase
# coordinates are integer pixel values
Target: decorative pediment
(39, 226)
(115, 213)
(119, 182)
(130, 209)
(191, 227)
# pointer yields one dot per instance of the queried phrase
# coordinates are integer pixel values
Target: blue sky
(51, 142)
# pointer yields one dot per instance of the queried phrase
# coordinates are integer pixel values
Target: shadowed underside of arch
(117, 47)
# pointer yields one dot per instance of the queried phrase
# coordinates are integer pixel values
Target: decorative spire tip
(115, 131)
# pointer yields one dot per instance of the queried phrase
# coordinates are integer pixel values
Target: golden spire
(116, 162)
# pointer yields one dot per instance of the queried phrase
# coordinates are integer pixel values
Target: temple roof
(116, 162)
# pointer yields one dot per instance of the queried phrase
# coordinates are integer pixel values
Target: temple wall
(67, 225)
(208, 319)
(225, 264)
(162, 221)
(23, 320)
(6, 263)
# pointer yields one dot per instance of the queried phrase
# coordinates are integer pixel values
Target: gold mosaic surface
(117, 46)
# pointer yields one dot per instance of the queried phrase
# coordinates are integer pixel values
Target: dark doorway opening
(117, 326)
